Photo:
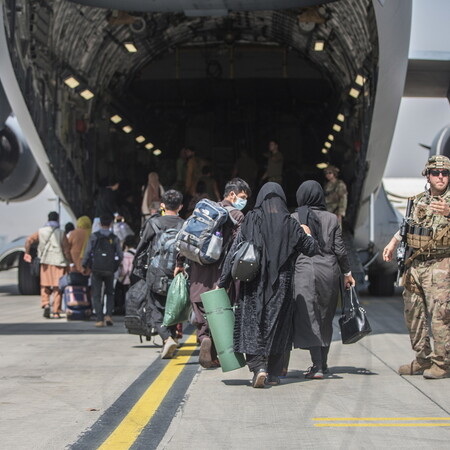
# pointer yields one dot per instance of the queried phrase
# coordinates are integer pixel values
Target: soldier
(335, 193)
(427, 279)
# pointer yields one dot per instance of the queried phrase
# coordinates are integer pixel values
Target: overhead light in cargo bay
(319, 46)
(354, 93)
(324, 151)
(341, 117)
(337, 127)
(327, 145)
(127, 129)
(331, 137)
(72, 82)
(140, 139)
(130, 47)
(157, 152)
(149, 146)
(116, 118)
(87, 94)
(360, 80)
(322, 165)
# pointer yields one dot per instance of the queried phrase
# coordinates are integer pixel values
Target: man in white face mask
(204, 278)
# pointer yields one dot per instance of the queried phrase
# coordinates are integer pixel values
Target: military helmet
(436, 162)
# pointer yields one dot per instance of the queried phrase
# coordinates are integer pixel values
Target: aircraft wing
(428, 75)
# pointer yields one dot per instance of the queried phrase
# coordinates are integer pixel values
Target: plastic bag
(122, 230)
(178, 304)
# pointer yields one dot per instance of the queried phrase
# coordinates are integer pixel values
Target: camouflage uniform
(427, 288)
(336, 197)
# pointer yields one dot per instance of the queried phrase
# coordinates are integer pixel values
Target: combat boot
(415, 368)
(436, 372)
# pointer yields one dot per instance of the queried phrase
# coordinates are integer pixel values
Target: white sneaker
(169, 348)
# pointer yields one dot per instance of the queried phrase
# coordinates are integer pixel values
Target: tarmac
(69, 385)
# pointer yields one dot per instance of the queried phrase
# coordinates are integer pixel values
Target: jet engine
(20, 177)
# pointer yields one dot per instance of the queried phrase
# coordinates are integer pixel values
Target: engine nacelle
(20, 177)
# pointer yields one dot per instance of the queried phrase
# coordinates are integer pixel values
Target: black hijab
(310, 197)
(271, 228)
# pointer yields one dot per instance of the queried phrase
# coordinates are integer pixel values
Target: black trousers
(273, 364)
(157, 305)
(319, 356)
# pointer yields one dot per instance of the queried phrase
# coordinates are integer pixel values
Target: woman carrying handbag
(317, 279)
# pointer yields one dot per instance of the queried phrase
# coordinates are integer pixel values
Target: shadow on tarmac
(56, 327)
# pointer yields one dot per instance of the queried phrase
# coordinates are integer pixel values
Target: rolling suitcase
(77, 303)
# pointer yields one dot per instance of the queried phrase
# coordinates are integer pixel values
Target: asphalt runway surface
(69, 385)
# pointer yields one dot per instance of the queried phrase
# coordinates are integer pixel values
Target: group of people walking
(59, 254)
(292, 301)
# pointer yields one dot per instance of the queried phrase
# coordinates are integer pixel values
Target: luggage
(104, 259)
(200, 239)
(73, 279)
(178, 305)
(138, 315)
(122, 230)
(120, 291)
(77, 303)
(162, 259)
(220, 317)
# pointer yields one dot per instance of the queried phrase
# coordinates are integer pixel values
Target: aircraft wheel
(28, 284)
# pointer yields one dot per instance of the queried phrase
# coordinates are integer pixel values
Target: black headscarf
(271, 228)
(310, 197)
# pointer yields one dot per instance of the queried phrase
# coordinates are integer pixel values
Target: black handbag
(35, 267)
(353, 321)
(246, 262)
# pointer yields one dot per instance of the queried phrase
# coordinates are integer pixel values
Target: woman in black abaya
(316, 279)
(263, 325)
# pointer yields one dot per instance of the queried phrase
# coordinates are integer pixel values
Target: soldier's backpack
(163, 257)
(201, 238)
(104, 260)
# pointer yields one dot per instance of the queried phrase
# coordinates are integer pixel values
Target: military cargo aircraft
(107, 88)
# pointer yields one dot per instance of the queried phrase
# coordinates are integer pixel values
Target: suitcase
(77, 303)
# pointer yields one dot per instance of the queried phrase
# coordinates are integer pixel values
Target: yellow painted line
(382, 424)
(329, 419)
(140, 415)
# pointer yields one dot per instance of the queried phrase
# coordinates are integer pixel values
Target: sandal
(56, 316)
(259, 379)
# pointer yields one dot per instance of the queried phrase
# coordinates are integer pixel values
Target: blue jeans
(97, 282)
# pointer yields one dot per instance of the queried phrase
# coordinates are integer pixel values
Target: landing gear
(28, 284)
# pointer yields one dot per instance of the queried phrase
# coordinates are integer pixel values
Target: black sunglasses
(443, 172)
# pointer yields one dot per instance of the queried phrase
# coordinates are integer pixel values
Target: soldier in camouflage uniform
(335, 193)
(427, 278)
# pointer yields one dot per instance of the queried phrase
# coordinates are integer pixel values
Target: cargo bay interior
(222, 84)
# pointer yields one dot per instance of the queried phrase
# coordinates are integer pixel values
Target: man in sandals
(427, 278)
(54, 252)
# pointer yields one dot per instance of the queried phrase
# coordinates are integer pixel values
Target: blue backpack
(201, 239)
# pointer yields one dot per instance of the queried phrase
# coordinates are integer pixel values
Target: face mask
(240, 203)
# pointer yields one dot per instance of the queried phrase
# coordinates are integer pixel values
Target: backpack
(162, 259)
(141, 260)
(201, 238)
(138, 315)
(104, 259)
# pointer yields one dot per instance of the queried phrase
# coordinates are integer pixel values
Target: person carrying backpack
(158, 242)
(204, 275)
(103, 256)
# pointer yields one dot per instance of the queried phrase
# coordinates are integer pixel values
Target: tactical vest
(424, 225)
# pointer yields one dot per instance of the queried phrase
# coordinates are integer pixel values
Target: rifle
(403, 247)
